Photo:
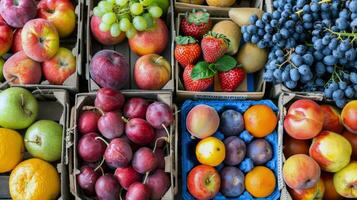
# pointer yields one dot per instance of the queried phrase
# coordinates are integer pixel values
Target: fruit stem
(125, 119)
(342, 34)
(93, 108)
(120, 193)
(158, 59)
(102, 140)
(100, 165)
(157, 140)
(146, 177)
(31, 141)
(8, 81)
(320, 2)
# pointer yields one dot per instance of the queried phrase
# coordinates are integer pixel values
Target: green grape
(121, 2)
(131, 33)
(149, 20)
(104, 27)
(125, 24)
(97, 12)
(111, 1)
(105, 6)
(109, 18)
(146, 2)
(115, 30)
(136, 9)
(139, 23)
(122, 16)
(155, 11)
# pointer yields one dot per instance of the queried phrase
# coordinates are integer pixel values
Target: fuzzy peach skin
(60, 67)
(304, 120)
(202, 121)
(40, 40)
(301, 172)
(332, 118)
(17, 42)
(331, 151)
(60, 13)
(104, 37)
(315, 193)
(349, 116)
(20, 69)
(6, 37)
(345, 181)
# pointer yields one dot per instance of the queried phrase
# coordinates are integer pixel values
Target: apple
(40, 39)
(315, 193)
(18, 108)
(110, 69)
(349, 116)
(345, 181)
(104, 37)
(352, 138)
(152, 72)
(20, 69)
(43, 139)
(109, 100)
(330, 191)
(332, 118)
(17, 42)
(331, 151)
(151, 41)
(203, 182)
(17, 13)
(2, 62)
(60, 67)
(293, 146)
(5, 37)
(60, 13)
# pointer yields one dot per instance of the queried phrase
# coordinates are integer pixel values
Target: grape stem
(320, 2)
(340, 35)
(335, 75)
(288, 59)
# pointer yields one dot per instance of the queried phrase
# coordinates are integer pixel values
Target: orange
(11, 149)
(260, 120)
(210, 151)
(260, 182)
(34, 179)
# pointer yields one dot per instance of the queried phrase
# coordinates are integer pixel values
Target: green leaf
(225, 63)
(202, 70)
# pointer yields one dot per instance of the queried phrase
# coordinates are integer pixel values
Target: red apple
(17, 13)
(17, 42)
(203, 182)
(5, 37)
(349, 116)
(330, 191)
(60, 67)
(332, 118)
(127, 176)
(152, 41)
(109, 100)
(293, 146)
(104, 37)
(314, 193)
(152, 72)
(352, 138)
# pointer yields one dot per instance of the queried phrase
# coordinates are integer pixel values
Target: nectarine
(349, 116)
(202, 121)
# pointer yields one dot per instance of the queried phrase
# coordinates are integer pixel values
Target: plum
(87, 122)
(144, 160)
(232, 182)
(232, 123)
(139, 131)
(260, 151)
(109, 100)
(235, 150)
(160, 156)
(87, 179)
(111, 125)
(118, 153)
(159, 133)
(159, 114)
(158, 183)
(135, 108)
(17, 13)
(127, 176)
(107, 188)
(90, 148)
(137, 191)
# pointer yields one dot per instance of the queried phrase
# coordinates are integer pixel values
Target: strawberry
(231, 79)
(187, 51)
(195, 85)
(196, 23)
(214, 46)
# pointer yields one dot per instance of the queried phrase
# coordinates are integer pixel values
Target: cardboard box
(171, 164)
(53, 105)
(93, 46)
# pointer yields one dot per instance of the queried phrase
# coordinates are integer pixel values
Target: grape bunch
(127, 16)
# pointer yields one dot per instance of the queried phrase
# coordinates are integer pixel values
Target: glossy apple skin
(304, 120)
(349, 116)
(135, 108)
(17, 42)
(352, 138)
(159, 114)
(127, 176)
(87, 178)
(296, 164)
(88, 121)
(159, 183)
(315, 193)
(139, 131)
(293, 146)
(152, 41)
(331, 151)
(203, 182)
(89, 148)
(104, 37)
(345, 181)
(109, 99)
(110, 69)
(60, 13)
(118, 153)
(152, 72)
(137, 191)
(40, 39)
(107, 188)
(6, 37)
(57, 69)
(332, 118)
(330, 191)
(23, 69)
(16, 15)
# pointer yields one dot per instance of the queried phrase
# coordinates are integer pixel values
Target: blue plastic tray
(188, 145)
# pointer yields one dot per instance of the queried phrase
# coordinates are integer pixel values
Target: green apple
(43, 139)
(18, 108)
(345, 181)
(1, 67)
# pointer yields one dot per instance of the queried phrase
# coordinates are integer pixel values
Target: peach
(331, 151)
(293, 168)
(6, 37)
(304, 120)
(17, 42)
(349, 116)
(202, 121)
(330, 191)
(352, 138)
(332, 119)
(20, 69)
(104, 37)
(314, 193)
(40, 40)
(345, 181)
(17, 13)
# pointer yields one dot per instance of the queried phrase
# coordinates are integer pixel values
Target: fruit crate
(189, 143)
(73, 42)
(93, 46)
(53, 105)
(171, 164)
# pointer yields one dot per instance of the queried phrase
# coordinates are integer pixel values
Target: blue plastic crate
(188, 145)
